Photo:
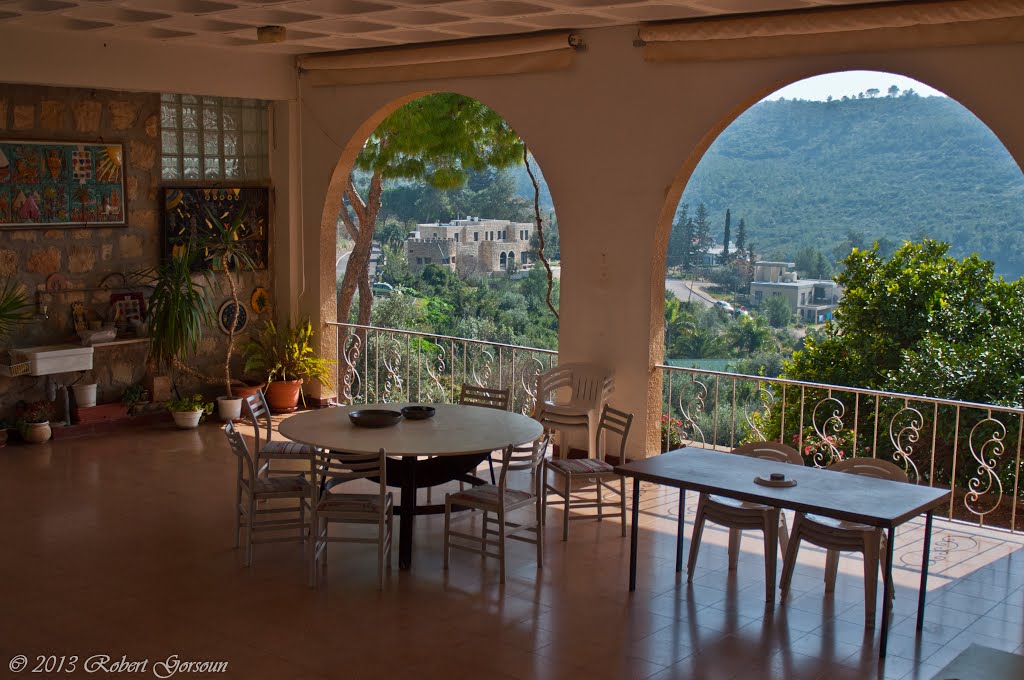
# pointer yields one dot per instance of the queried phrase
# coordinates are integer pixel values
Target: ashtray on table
(418, 412)
(374, 417)
(776, 479)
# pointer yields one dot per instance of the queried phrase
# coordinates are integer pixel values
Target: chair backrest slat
(589, 384)
(347, 467)
(776, 451)
(241, 450)
(488, 397)
(871, 467)
(616, 422)
(255, 406)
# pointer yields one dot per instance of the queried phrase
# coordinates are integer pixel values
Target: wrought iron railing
(377, 365)
(974, 449)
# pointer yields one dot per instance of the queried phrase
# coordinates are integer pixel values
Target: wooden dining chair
(841, 536)
(375, 509)
(579, 476)
(255, 487)
(256, 410)
(499, 500)
(738, 516)
(486, 397)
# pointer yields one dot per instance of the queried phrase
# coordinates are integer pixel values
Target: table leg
(924, 570)
(408, 512)
(679, 530)
(887, 592)
(635, 529)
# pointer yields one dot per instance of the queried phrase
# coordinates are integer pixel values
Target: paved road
(690, 290)
(342, 262)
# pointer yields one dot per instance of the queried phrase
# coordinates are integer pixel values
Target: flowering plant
(671, 432)
(36, 411)
(823, 451)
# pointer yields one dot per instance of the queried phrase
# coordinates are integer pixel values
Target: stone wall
(421, 252)
(84, 256)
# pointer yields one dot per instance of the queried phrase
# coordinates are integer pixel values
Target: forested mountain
(853, 171)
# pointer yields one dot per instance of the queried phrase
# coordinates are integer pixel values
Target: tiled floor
(121, 546)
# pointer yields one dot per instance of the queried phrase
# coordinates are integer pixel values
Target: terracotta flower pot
(283, 395)
(37, 433)
(243, 391)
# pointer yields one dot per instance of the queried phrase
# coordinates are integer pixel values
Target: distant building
(470, 246)
(812, 300)
(712, 257)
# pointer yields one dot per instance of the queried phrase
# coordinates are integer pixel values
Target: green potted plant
(179, 309)
(286, 357)
(188, 412)
(227, 252)
(34, 421)
(133, 397)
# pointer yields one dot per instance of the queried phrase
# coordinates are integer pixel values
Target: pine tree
(702, 240)
(741, 236)
(726, 236)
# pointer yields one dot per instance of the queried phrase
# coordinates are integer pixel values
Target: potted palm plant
(227, 251)
(286, 357)
(188, 412)
(179, 309)
(14, 307)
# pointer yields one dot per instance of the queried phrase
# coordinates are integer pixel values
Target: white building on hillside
(812, 300)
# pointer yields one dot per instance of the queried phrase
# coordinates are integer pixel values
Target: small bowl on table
(374, 417)
(418, 412)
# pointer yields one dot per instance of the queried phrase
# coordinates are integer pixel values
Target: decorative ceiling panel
(330, 25)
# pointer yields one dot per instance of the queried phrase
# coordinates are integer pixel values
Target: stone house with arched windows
(471, 246)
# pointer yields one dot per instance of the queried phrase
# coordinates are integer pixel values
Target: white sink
(48, 359)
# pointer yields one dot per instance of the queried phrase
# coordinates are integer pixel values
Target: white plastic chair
(739, 515)
(255, 486)
(499, 500)
(839, 535)
(592, 473)
(588, 387)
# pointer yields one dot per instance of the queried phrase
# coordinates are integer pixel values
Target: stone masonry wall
(86, 255)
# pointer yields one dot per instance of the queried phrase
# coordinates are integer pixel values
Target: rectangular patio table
(855, 498)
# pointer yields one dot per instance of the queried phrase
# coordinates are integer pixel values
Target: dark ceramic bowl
(374, 417)
(419, 412)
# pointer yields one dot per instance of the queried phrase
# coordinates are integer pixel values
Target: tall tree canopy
(440, 139)
(922, 322)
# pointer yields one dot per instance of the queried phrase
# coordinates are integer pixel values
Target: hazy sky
(849, 83)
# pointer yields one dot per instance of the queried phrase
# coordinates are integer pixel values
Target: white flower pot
(187, 420)
(229, 408)
(85, 395)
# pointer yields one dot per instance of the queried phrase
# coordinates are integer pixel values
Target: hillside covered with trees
(850, 172)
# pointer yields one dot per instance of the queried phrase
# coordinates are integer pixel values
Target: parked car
(382, 288)
(724, 305)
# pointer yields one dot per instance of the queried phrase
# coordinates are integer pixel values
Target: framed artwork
(185, 218)
(227, 312)
(61, 184)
